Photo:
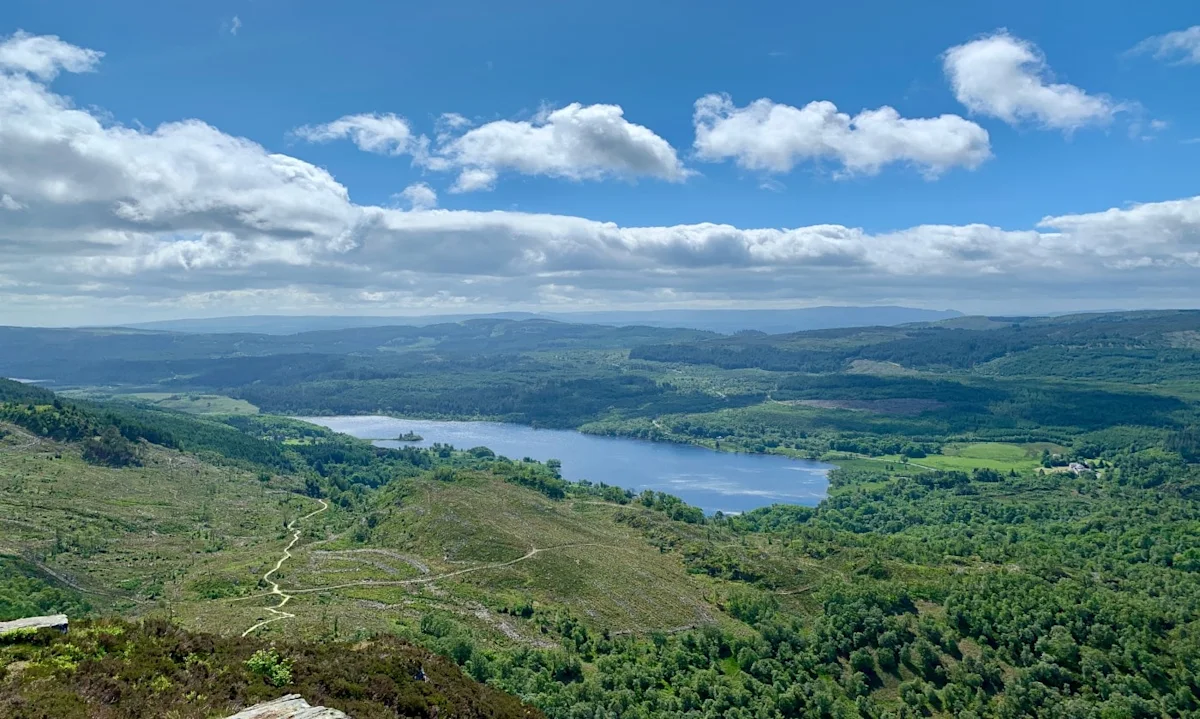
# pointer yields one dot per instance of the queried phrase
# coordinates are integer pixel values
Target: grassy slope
(198, 403)
(193, 538)
(477, 547)
(194, 403)
(130, 537)
(1000, 456)
(196, 537)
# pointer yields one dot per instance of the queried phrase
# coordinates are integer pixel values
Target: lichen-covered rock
(291, 706)
(53, 621)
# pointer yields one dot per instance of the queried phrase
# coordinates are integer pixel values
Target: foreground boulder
(53, 621)
(291, 706)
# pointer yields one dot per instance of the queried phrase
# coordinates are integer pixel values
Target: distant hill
(296, 324)
(769, 321)
(724, 321)
(101, 355)
(1137, 347)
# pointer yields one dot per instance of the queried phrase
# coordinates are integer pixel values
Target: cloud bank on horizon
(184, 218)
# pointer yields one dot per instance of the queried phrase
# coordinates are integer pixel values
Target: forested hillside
(716, 320)
(120, 355)
(554, 374)
(1123, 347)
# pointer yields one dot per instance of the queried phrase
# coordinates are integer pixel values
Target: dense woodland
(1096, 346)
(910, 591)
(1075, 372)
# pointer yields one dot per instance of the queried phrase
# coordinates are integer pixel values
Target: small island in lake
(409, 436)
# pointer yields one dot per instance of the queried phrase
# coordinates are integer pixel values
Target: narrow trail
(75, 586)
(284, 598)
(418, 580)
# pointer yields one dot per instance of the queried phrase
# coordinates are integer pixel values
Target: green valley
(990, 545)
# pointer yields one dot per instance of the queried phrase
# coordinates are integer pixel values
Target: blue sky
(263, 70)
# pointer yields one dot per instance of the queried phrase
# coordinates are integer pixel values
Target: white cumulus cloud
(449, 122)
(114, 219)
(44, 56)
(575, 142)
(474, 179)
(1181, 47)
(774, 137)
(420, 196)
(1006, 77)
(381, 134)
(85, 182)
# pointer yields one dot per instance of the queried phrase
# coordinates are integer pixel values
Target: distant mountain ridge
(771, 321)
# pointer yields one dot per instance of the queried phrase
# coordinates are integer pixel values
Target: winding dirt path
(427, 580)
(284, 597)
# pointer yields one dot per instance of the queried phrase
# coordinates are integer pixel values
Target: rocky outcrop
(291, 706)
(53, 621)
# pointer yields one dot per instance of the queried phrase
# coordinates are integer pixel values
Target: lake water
(701, 477)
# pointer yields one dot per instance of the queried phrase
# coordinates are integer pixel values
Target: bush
(751, 607)
(110, 449)
(267, 664)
